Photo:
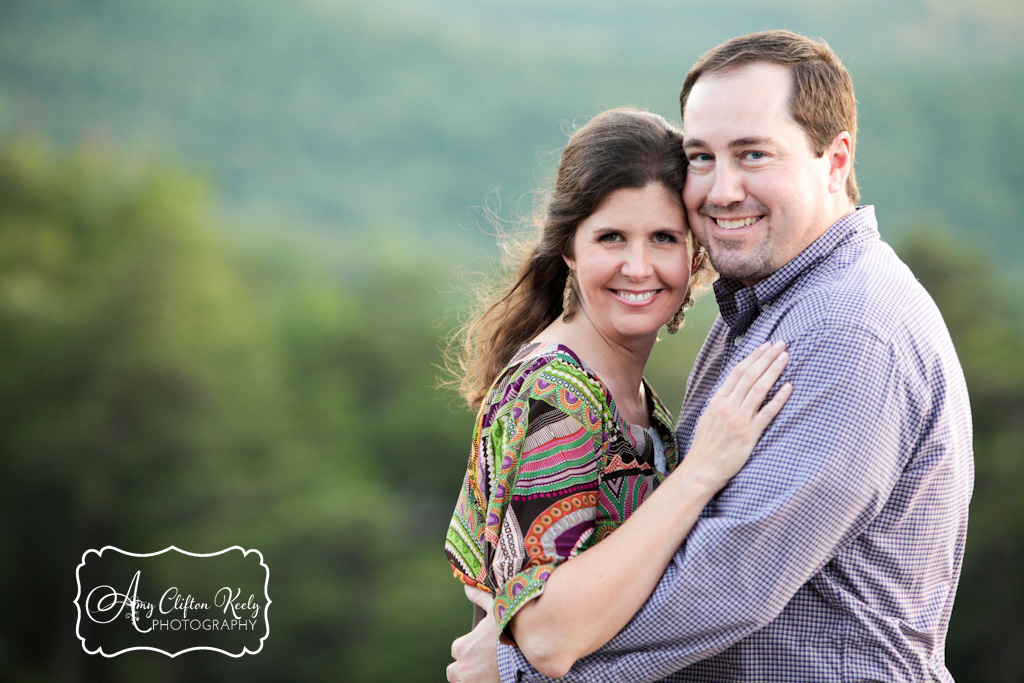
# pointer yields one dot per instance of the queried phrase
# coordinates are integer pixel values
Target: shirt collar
(739, 304)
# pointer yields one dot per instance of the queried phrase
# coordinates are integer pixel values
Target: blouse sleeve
(533, 480)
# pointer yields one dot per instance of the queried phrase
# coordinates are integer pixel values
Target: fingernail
(779, 344)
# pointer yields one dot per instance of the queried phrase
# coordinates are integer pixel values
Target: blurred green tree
(985, 321)
(153, 395)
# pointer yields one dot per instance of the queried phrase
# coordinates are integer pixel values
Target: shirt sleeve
(820, 474)
(541, 459)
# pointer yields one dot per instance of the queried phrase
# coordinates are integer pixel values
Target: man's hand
(476, 653)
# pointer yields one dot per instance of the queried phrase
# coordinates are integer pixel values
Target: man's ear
(840, 157)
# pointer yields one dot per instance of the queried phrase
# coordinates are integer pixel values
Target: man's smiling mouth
(727, 224)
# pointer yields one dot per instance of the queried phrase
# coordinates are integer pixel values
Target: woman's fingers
(480, 598)
(750, 369)
(762, 384)
(764, 416)
(735, 418)
(732, 379)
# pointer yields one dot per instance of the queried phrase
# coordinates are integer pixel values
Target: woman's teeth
(636, 296)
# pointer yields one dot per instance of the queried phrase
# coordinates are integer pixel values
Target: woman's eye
(663, 238)
(610, 237)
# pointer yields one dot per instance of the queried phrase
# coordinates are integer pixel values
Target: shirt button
(738, 340)
(765, 307)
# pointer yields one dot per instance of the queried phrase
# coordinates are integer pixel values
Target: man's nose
(727, 187)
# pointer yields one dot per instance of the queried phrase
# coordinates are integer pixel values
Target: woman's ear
(569, 262)
(698, 258)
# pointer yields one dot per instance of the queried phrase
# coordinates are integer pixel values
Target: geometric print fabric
(553, 469)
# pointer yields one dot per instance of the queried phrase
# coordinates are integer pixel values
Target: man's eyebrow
(739, 142)
(750, 142)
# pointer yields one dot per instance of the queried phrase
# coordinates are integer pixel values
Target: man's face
(755, 193)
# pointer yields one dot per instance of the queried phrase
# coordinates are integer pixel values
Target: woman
(569, 438)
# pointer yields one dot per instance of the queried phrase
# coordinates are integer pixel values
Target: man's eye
(755, 156)
(699, 158)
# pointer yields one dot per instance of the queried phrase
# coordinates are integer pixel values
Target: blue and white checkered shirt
(835, 553)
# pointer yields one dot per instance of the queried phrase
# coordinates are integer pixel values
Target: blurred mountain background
(234, 235)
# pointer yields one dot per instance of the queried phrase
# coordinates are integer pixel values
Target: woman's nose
(637, 264)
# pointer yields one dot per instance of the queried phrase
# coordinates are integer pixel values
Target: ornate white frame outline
(99, 553)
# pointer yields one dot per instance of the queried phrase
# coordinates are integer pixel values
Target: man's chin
(744, 270)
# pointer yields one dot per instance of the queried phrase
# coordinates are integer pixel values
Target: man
(835, 553)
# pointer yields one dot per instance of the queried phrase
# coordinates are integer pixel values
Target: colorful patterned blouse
(554, 469)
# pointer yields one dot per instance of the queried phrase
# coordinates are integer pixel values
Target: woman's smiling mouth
(636, 297)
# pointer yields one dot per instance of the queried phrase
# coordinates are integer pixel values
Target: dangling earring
(568, 299)
(676, 321)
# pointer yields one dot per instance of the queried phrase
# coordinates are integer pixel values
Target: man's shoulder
(865, 286)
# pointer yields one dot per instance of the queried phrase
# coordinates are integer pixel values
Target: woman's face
(631, 259)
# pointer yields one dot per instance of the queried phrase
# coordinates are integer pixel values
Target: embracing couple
(804, 519)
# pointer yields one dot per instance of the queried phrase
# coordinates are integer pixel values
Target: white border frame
(99, 553)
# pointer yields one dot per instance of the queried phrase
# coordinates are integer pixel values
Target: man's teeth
(637, 296)
(733, 225)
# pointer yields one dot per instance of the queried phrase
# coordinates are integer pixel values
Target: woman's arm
(589, 598)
